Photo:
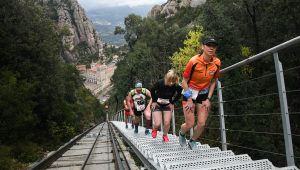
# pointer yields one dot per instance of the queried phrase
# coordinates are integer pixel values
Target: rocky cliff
(169, 8)
(84, 37)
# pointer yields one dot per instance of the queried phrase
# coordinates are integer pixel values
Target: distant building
(115, 57)
(98, 77)
(96, 74)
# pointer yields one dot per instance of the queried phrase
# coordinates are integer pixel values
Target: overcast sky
(92, 4)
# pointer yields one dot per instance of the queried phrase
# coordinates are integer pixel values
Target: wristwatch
(209, 98)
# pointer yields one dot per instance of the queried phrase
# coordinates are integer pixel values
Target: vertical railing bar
(161, 123)
(142, 120)
(284, 112)
(191, 132)
(173, 122)
(221, 115)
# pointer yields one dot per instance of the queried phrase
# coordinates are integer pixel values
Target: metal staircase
(155, 154)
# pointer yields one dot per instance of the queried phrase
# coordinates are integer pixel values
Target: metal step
(155, 154)
(166, 160)
(199, 163)
(187, 151)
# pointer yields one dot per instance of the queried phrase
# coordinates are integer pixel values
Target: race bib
(163, 101)
(194, 93)
(139, 105)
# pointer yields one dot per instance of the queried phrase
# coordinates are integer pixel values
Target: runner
(162, 93)
(127, 112)
(138, 95)
(199, 81)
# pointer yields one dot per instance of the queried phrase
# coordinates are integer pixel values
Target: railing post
(162, 123)
(221, 115)
(124, 116)
(142, 120)
(191, 132)
(152, 117)
(173, 122)
(284, 112)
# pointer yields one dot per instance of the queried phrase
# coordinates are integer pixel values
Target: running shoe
(126, 126)
(147, 132)
(154, 132)
(182, 139)
(136, 131)
(165, 138)
(192, 145)
(132, 126)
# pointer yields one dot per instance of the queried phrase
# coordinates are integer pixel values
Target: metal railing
(282, 93)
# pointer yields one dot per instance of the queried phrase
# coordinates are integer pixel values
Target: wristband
(187, 94)
(209, 98)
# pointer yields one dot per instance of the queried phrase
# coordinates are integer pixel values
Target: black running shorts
(199, 99)
(162, 107)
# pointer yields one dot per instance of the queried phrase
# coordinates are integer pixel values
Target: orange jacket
(200, 72)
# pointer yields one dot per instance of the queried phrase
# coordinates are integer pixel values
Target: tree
(192, 47)
(132, 29)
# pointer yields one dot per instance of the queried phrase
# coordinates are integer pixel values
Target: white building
(96, 74)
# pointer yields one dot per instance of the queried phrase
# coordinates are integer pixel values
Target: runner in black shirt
(162, 93)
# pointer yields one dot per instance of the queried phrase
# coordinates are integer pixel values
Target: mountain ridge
(84, 36)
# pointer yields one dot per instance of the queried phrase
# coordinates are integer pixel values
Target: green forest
(43, 103)
(243, 29)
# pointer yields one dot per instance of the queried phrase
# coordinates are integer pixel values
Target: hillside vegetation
(43, 103)
(243, 29)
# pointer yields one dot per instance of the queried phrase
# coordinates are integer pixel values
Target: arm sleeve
(152, 90)
(188, 69)
(178, 89)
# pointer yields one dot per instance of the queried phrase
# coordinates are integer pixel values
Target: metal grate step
(206, 163)
(190, 157)
(155, 154)
(187, 151)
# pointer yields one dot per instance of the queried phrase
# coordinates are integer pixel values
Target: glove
(187, 94)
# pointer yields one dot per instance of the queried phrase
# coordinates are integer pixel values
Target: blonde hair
(171, 76)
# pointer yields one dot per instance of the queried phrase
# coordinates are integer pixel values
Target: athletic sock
(181, 134)
(191, 140)
(136, 126)
(148, 123)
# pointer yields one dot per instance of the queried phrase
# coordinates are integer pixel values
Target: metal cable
(212, 128)
(210, 140)
(265, 114)
(254, 132)
(256, 149)
(294, 113)
(291, 69)
(249, 80)
(295, 135)
(292, 91)
(250, 97)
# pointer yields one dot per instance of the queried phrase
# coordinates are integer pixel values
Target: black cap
(210, 40)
